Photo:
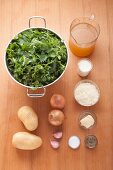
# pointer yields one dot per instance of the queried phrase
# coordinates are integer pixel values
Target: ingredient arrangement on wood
(36, 58)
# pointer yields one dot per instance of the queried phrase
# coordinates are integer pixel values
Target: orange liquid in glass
(84, 34)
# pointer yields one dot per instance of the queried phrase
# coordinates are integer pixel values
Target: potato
(28, 117)
(26, 141)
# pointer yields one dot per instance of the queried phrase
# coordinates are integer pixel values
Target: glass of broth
(83, 35)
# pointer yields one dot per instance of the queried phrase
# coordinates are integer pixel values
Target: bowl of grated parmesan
(86, 93)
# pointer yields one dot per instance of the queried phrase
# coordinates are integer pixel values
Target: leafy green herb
(36, 57)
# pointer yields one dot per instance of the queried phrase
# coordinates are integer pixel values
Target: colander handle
(39, 17)
(37, 94)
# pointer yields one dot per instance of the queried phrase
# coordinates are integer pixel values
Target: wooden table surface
(14, 15)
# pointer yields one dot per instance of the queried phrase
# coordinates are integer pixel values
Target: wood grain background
(14, 15)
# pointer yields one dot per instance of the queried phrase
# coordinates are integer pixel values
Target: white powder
(74, 142)
(86, 94)
(84, 67)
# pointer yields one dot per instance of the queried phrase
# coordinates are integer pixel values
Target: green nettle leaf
(43, 58)
(59, 57)
(36, 57)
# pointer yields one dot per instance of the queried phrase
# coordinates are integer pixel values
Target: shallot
(58, 135)
(54, 144)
